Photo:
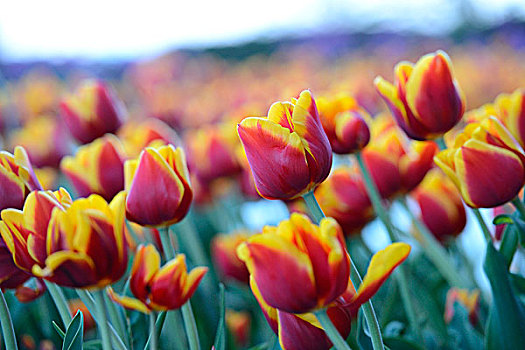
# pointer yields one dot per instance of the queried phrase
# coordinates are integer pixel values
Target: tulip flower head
(158, 187)
(224, 254)
(298, 266)
(97, 167)
(486, 164)
(442, 209)
(289, 152)
(86, 245)
(468, 299)
(157, 288)
(303, 331)
(136, 136)
(92, 111)
(17, 178)
(426, 99)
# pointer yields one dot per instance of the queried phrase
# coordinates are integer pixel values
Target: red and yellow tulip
(239, 324)
(343, 197)
(486, 164)
(442, 209)
(468, 299)
(92, 111)
(158, 187)
(159, 288)
(289, 152)
(425, 99)
(298, 265)
(86, 245)
(224, 255)
(17, 178)
(303, 331)
(25, 231)
(97, 167)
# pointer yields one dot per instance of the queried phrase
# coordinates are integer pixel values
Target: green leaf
(503, 219)
(59, 330)
(462, 330)
(506, 323)
(220, 336)
(398, 343)
(509, 243)
(94, 344)
(74, 333)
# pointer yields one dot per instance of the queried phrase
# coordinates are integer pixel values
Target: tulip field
(190, 201)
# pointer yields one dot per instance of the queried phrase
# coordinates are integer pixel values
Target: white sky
(126, 28)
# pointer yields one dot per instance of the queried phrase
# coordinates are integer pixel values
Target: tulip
(158, 187)
(76, 305)
(86, 246)
(157, 288)
(288, 152)
(298, 265)
(25, 231)
(303, 331)
(486, 164)
(97, 167)
(224, 254)
(17, 178)
(92, 111)
(212, 151)
(469, 300)
(45, 140)
(11, 276)
(136, 136)
(343, 197)
(426, 99)
(442, 210)
(239, 325)
(344, 123)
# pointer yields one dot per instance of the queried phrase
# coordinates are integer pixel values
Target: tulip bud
(239, 325)
(352, 132)
(159, 288)
(136, 136)
(486, 164)
(442, 209)
(17, 178)
(92, 111)
(426, 99)
(97, 167)
(288, 151)
(469, 300)
(158, 187)
(343, 196)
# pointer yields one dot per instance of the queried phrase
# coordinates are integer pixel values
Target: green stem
(60, 302)
(519, 206)
(89, 301)
(368, 309)
(153, 340)
(336, 339)
(441, 143)
(116, 318)
(102, 321)
(435, 251)
(400, 275)
(482, 224)
(158, 329)
(189, 235)
(187, 312)
(7, 325)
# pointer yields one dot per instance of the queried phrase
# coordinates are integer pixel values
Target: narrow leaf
(75, 333)
(220, 336)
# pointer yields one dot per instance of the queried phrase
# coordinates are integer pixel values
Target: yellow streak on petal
(128, 302)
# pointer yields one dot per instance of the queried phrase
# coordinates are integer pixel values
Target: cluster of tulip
(337, 161)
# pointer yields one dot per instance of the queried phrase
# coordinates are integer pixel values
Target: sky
(98, 29)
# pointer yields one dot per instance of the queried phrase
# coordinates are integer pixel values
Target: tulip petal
(128, 302)
(297, 334)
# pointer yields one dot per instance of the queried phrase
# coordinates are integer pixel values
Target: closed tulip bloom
(442, 209)
(17, 178)
(425, 99)
(158, 187)
(137, 135)
(344, 122)
(467, 299)
(304, 332)
(298, 265)
(343, 197)
(97, 168)
(486, 164)
(212, 151)
(224, 254)
(25, 231)
(86, 245)
(288, 151)
(92, 111)
(239, 325)
(157, 288)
